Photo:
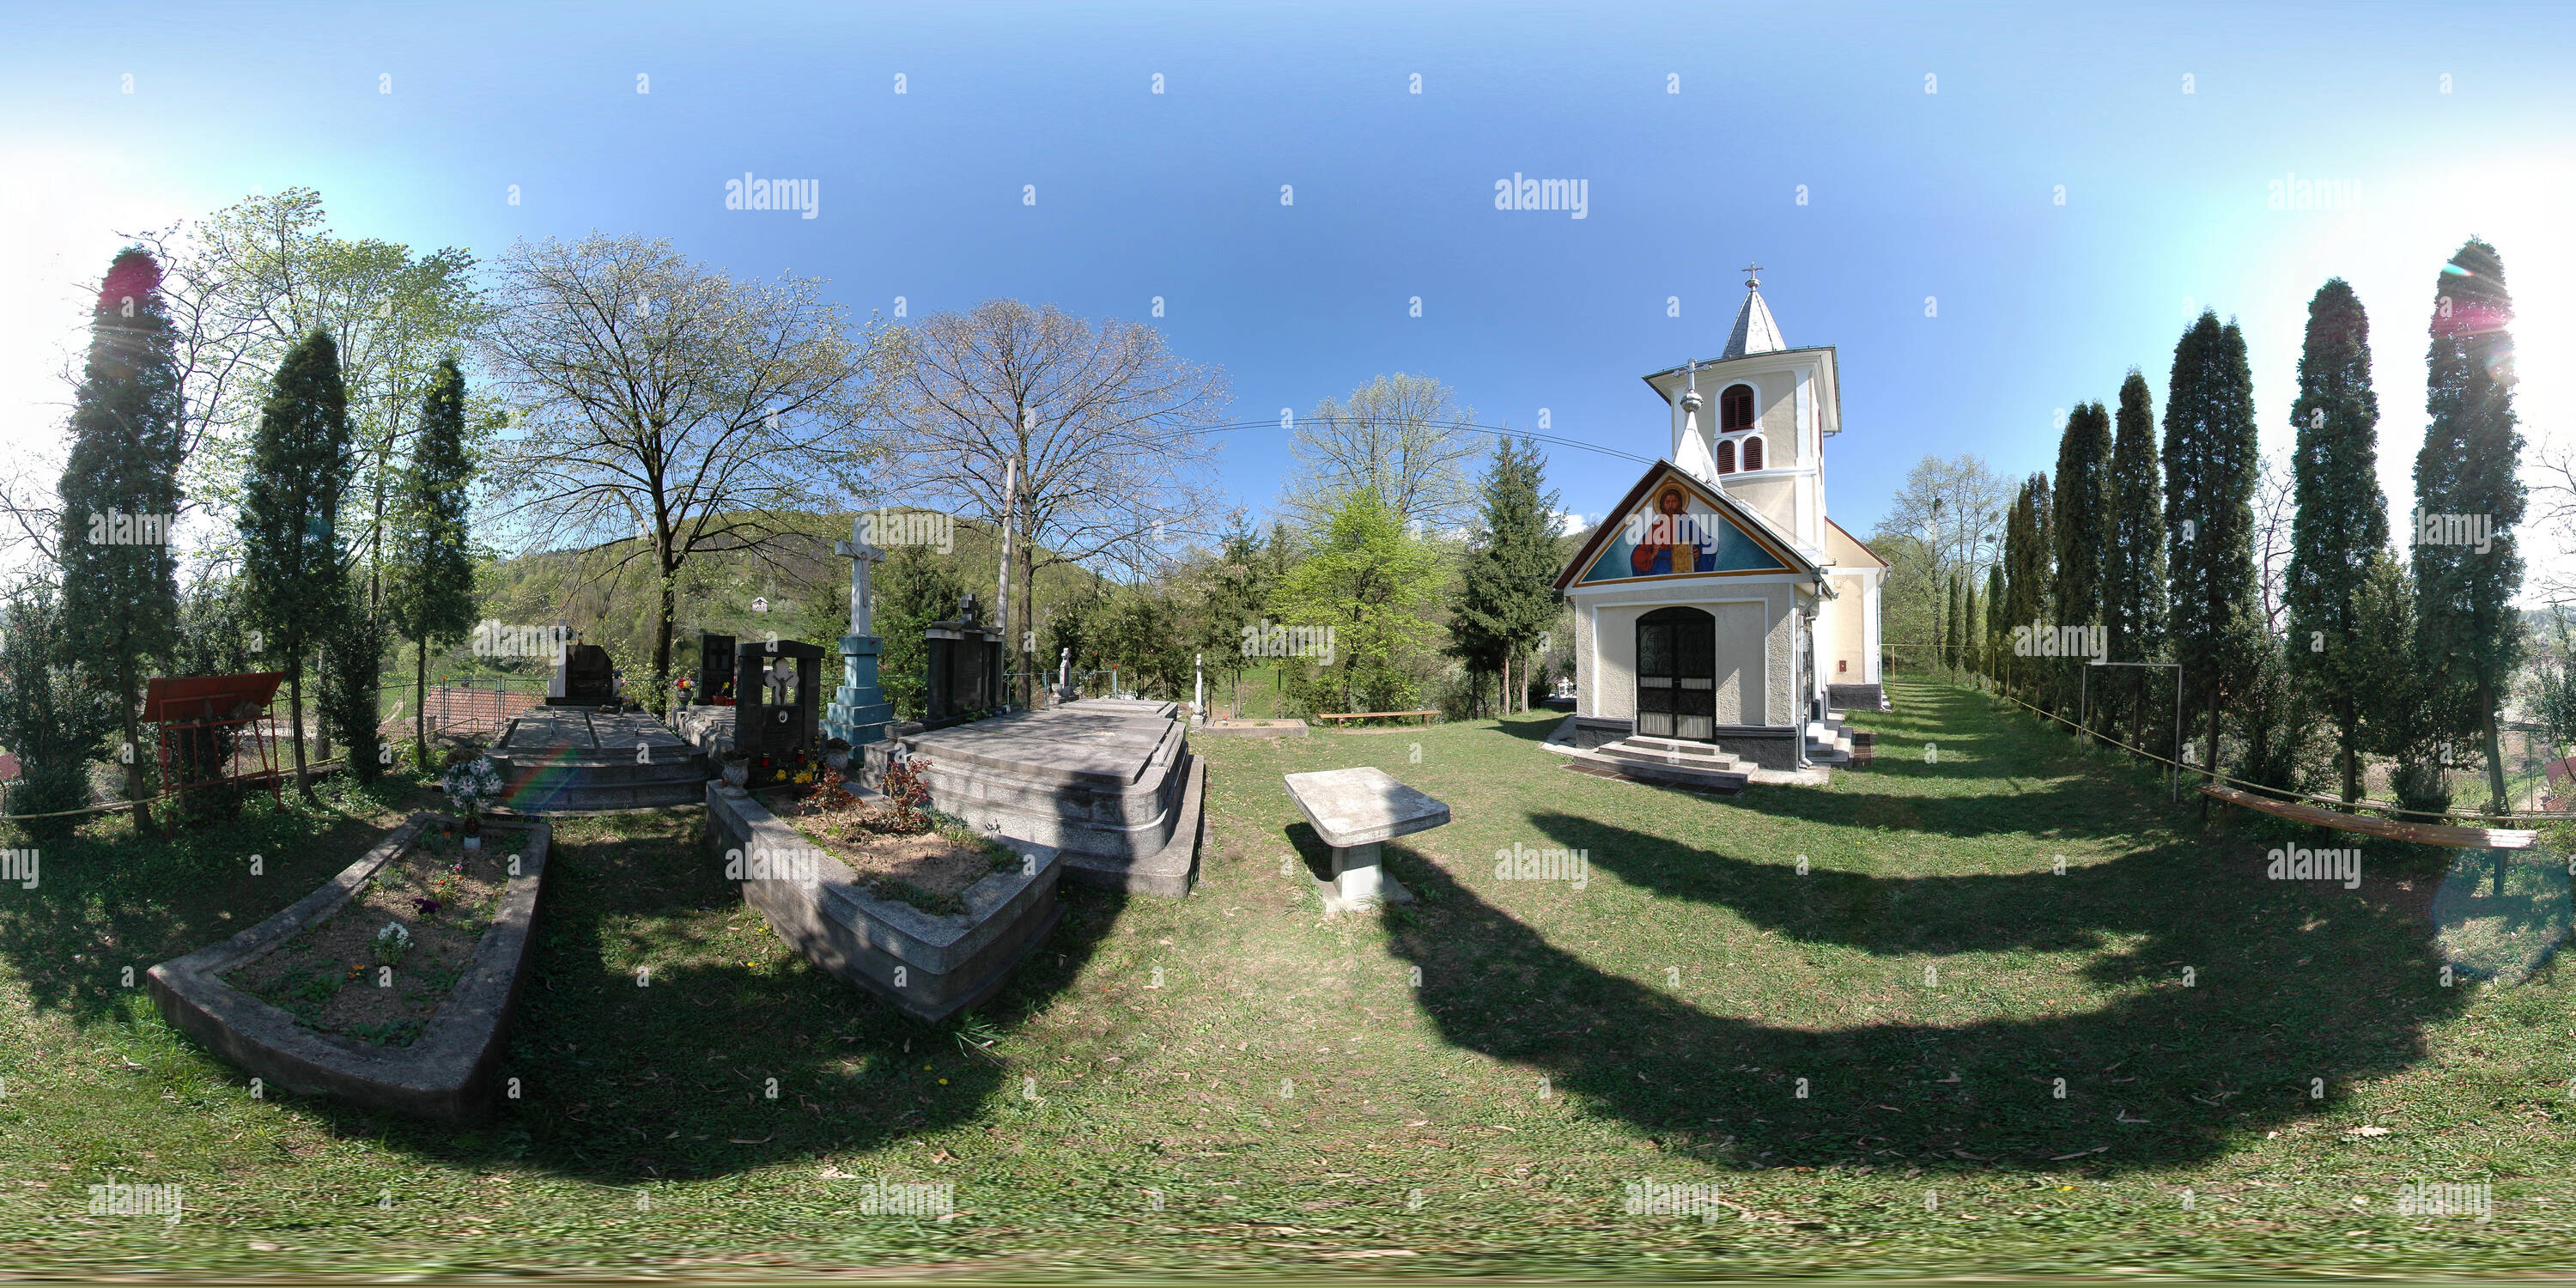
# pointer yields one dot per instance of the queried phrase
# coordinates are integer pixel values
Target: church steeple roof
(1755, 331)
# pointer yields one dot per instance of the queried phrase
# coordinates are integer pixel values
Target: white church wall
(1754, 661)
(1842, 640)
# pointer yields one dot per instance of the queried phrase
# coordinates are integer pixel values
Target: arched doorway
(1677, 674)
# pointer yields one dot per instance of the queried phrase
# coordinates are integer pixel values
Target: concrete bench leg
(1360, 881)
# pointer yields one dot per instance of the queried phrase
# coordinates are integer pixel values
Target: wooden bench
(1380, 715)
(2467, 838)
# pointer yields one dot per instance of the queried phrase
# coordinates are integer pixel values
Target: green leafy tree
(1373, 584)
(2467, 626)
(2133, 572)
(2080, 525)
(292, 558)
(51, 715)
(1508, 599)
(2406, 711)
(213, 638)
(120, 493)
(2341, 522)
(914, 587)
(2211, 467)
(429, 582)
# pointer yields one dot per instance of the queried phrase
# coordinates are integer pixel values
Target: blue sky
(1950, 195)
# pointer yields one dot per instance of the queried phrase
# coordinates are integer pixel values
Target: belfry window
(1753, 452)
(1735, 409)
(1726, 457)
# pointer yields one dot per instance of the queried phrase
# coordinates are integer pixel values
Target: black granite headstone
(715, 668)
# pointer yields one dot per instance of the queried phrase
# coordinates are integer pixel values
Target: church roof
(1755, 331)
(1760, 530)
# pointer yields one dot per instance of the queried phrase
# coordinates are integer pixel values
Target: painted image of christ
(1654, 555)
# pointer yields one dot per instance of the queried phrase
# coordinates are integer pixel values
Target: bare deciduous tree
(1399, 434)
(1102, 429)
(663, 408)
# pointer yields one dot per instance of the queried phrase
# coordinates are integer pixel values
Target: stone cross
(860, 554)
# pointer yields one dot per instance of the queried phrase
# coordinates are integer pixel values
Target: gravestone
(1355, 811)
(715, 669)
(584, 677)
(780, 736)
(859, 713)
(965, 673)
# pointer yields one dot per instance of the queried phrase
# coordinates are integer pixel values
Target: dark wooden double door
(1677, 674)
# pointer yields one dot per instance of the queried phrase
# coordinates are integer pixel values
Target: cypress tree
(1969, 657)
(1998, 627)
(1951, 620)
(1508, 599)
(292, 565)
(2080, 528)
(430, 596)
(2341, 522)
(352, 669)
(2211, 465)
(2470, 633)
(120, 493)
(2026, 576)
(2133, 592)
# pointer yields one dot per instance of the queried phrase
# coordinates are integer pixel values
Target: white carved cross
(860, 554)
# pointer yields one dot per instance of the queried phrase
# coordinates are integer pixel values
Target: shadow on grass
(107, 899)
(2290, 983)
(622, 1084)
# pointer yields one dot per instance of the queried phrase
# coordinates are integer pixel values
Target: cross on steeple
(1752, 282)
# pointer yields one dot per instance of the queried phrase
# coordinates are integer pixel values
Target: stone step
(1700, 773)
(1629, 750)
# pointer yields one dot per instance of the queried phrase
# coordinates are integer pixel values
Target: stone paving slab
(581, 730)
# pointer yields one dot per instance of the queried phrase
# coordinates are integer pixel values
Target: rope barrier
(2373, 806)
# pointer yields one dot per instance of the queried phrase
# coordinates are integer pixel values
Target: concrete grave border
(449, 1073)
(926, 965)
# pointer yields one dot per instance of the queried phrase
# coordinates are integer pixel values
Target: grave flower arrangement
(391, 943)
(473, 786)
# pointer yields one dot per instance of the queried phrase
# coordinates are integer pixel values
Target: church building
(1718, 602)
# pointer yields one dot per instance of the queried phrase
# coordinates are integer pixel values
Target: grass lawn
(2251, 1068)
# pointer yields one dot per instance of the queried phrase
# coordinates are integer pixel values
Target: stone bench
(1355, 811)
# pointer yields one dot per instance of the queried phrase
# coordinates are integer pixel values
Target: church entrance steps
(1661, 760)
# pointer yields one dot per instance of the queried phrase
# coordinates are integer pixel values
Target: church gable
(1671, 526)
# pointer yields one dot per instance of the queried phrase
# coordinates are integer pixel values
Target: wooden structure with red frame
(192, 707)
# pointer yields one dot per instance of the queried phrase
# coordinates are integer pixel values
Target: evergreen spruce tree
(2342, 521)
(120, 493)
(1968, 655)
(292, 561)
(2211, 466)
(2469, 631)
(2133, 577)
(2080, 528)
(1508, 598)
(429, 593)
